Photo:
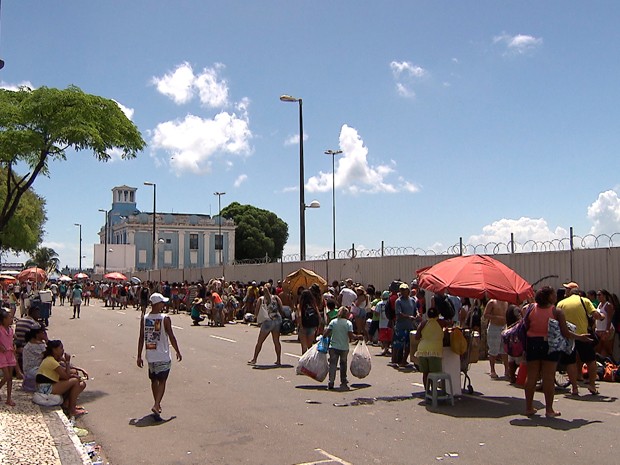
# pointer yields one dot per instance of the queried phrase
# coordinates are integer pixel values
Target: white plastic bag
(47, 400)
(360, 361)
(314, 364)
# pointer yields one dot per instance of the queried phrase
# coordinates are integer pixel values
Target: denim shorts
(307, 331)
(271, 326)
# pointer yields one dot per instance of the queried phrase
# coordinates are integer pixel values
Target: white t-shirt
(348, 296)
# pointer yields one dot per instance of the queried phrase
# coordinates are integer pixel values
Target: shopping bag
(313, 364)
(458, 343)
(360, 361)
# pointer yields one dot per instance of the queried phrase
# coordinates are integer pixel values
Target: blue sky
(468, 119)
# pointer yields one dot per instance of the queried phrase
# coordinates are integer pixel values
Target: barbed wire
(589, 241)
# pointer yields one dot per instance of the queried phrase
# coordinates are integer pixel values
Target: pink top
(7, 358)
(539, 321)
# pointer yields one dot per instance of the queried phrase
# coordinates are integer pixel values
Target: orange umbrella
(34, 274)
(475, 276)
(115, 276)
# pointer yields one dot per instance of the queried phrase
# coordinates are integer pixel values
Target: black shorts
(536, 348)
(586, 353)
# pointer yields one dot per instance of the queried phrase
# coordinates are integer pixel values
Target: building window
(193, 242)
(131, 196)
(142, 256)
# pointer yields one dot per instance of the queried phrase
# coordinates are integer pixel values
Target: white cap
(157, 298)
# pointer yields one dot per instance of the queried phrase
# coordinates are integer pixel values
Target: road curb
(69, 447)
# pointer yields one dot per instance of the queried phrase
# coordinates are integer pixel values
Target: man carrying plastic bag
(340, 330)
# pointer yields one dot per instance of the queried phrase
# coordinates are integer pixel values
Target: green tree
(24, 231)
(44, 258)
(41, 124)
(258, 232)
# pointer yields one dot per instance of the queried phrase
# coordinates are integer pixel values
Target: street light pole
(333, 153)
(105, 242)
(80, 226)
(154, 258)
(219, 222)
(302, 202)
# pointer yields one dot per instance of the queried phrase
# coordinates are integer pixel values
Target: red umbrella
(475, 276)
(80, 276)
(34, 274)
(115, 276)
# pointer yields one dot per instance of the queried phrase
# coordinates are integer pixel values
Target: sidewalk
(32, 434)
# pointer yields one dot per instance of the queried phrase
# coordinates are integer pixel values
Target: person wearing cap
(577, 311)
(196, 311)
(406, 313)
(157, 335)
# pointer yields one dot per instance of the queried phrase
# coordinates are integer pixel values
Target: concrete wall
(591, 268)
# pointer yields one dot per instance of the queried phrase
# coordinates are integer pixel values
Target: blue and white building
(183, 240)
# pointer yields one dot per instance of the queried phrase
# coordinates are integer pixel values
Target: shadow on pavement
(88, 396)
(479, 406)
(149, 420)
(592, 398)
(554, 423)
(271, 367)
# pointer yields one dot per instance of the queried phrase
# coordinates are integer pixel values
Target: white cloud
(294, 139)
(240, 180)
(182, 84)
(518, 44)
(354, 174)
(406, 74)
(193, 141)
(15, 87)
(525, 231)
(128, 111)
(604, 213)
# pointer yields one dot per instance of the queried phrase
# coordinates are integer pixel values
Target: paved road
(229, 413)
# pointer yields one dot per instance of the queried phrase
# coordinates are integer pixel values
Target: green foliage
(44, 258)
(24, 231)
(41, 124)
(258, 231)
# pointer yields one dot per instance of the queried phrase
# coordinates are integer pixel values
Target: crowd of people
(343, 311)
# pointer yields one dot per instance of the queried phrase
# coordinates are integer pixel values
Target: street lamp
(302, 202)
(154, 258)
(220, 241)
(333, 153)
(105, 242)
(80, 226)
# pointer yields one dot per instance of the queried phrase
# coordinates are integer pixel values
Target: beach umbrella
(80, 275)
(4, 277)
(303, 278)
(475, 276)
(115, 276)
(135, 280)
(33, 274)
(65, 278)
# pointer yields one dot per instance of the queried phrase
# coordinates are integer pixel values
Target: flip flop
(494, 376)
(80, 411)
(251, 362)
(594, 391)
(552, 414)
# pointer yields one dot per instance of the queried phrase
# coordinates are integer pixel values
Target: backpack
(444, 307)
(310, 317)
(287, 326)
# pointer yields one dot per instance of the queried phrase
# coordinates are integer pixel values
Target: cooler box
(45, 296)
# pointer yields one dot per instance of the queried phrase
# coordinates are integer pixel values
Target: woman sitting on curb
(53, 378)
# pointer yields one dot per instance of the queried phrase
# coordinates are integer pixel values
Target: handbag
(515, 335)
(557, 342)
(263, 313)
(591, 327)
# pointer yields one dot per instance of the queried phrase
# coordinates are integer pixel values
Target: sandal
(494, 376)
(251, 362)
(593, 391)
(552, 414)
(80, 411)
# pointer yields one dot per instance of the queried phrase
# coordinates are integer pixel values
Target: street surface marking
(122, 313)
(176, 327)
(292, 355)
(417, 384)
(332, 459)
(222, 338)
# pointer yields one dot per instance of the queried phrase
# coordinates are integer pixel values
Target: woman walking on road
(269, 314)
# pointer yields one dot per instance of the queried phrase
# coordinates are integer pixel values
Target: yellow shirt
(48, 368)
(575, 313)
(431, 343)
